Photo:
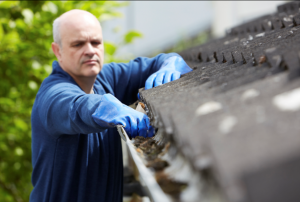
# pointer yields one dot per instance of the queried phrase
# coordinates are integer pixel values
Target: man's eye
(77, 44)
(96, 43)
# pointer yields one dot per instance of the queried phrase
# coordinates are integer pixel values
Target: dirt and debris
(140, 139)
(262, 59)
(148, 147)
(168, 185)
(142, 105)
(158, 164)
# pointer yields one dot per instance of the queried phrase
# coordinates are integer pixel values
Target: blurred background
(167, 25)
(130, 29)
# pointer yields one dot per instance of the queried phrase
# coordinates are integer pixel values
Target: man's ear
(56, 50)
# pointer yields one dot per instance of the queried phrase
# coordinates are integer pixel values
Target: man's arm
(124, 79)
(64, 108)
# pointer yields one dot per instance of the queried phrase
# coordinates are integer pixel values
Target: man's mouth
(90, 62)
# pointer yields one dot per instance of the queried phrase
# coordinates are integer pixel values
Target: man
(76, 150)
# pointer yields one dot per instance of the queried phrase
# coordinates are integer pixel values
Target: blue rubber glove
(171, 69)
(111, 112)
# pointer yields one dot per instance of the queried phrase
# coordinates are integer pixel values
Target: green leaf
(131, 35)
(19, 123)
(1, 32)
(11, 38)
(6, 102)
(110, 48)
(3, 147)
(8, 4)
(17, 166)
(10, 41)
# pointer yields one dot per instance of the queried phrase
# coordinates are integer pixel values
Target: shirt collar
(56, 69)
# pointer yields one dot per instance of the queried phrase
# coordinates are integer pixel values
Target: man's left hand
(170, 70)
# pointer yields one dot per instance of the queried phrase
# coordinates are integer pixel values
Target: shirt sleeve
(64, 108)
(125, 79)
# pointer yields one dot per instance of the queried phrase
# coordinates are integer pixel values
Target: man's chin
(92, 71)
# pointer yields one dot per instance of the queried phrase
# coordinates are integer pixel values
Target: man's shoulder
(57, 76)
(56, 79)
(55, 83)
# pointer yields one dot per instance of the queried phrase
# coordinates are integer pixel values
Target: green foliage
(25, 60)
(111, 48)
(130, 36)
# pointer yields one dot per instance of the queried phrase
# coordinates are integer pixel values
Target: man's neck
(86, 83)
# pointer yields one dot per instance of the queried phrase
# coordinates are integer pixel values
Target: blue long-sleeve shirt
(73, 158)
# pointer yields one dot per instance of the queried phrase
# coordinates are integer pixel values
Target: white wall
(162, 23)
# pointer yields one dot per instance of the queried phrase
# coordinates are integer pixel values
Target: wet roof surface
(240, 107)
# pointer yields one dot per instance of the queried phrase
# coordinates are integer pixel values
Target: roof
(239, 110)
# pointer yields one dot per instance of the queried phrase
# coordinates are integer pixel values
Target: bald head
(70, 19)
(78, 46)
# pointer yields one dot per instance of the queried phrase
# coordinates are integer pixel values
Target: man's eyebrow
(78, 41)
(83, 41)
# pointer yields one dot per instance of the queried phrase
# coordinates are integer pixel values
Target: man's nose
(89, 49)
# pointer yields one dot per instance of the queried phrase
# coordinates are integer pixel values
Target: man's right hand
(111, 112)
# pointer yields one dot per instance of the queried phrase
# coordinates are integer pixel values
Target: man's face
(82, 51)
